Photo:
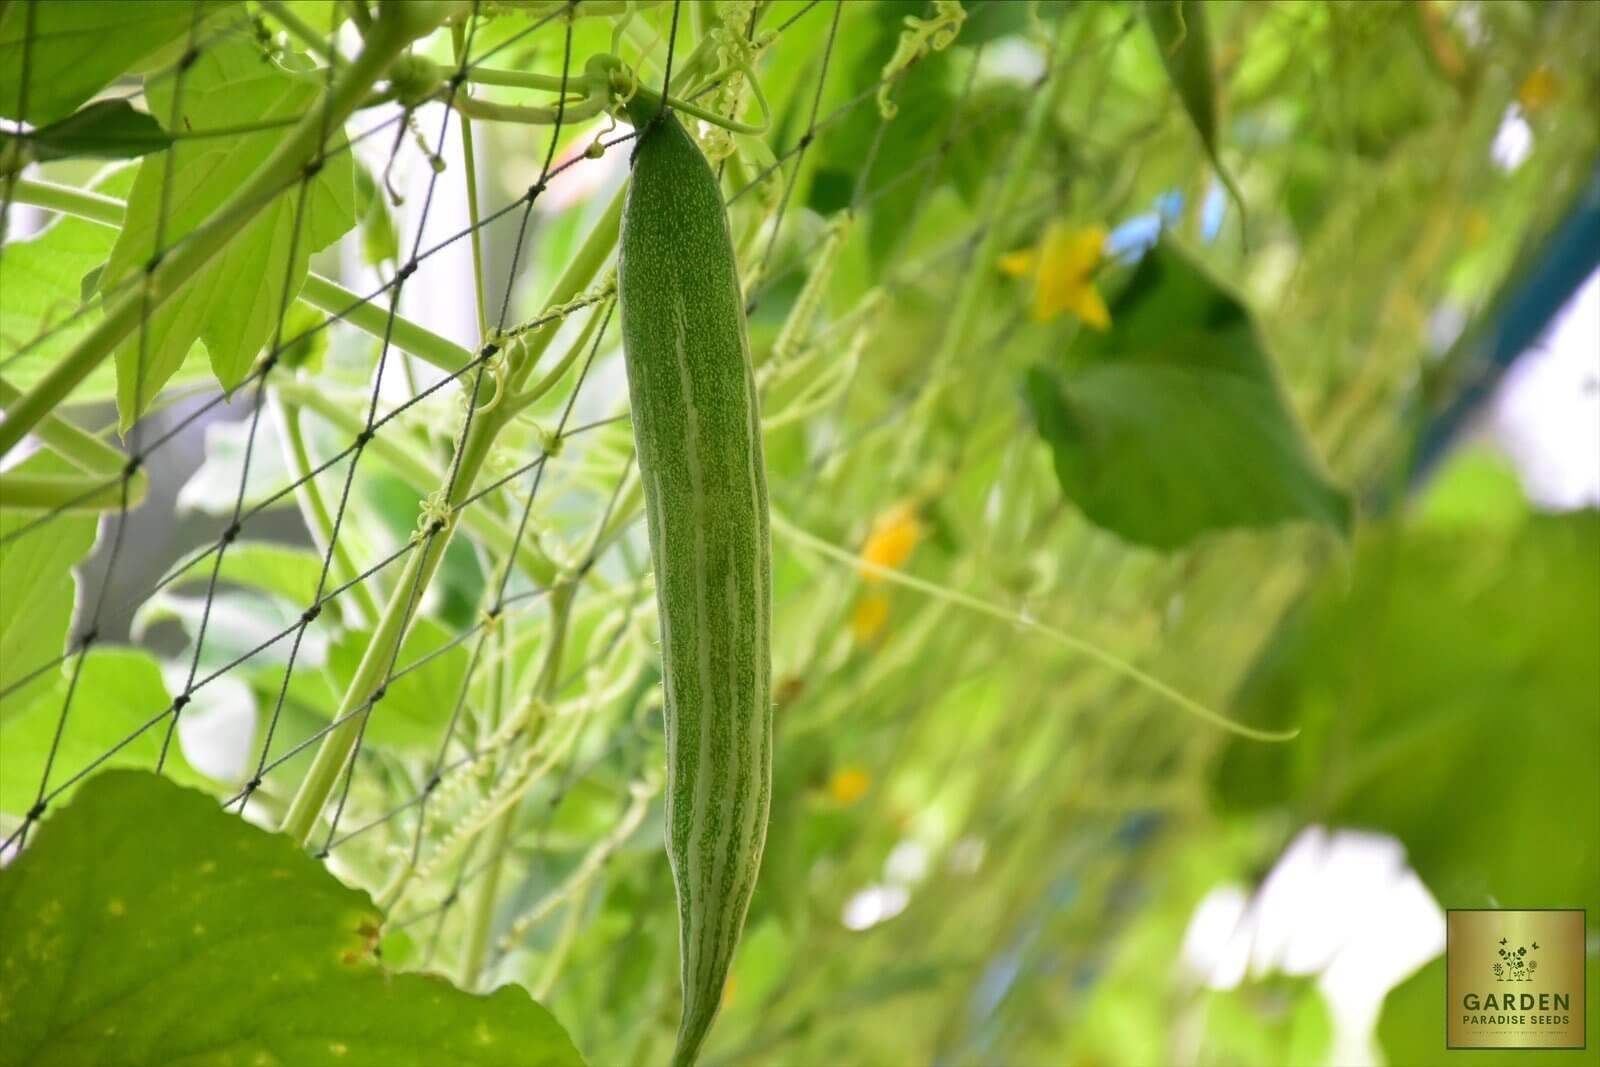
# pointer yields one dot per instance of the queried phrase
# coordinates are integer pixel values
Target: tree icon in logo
(1514, 964)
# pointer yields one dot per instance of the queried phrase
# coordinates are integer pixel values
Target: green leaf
(286, 571)
(1184, 41)
(1447, 693)
(214, 488)
(1277, 1020)
(1411, 1029)
(1478, 489)
(416, 705)
(232, 305)
(41, 289)
(1172, 423)
(148, 926)
(238, 624)
(77, 49)
(106, 129)
(36, 607)
(118, 691)
(380, 242)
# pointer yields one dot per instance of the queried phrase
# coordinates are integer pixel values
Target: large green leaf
(232, 305)
(41, 290)
(1449, 694)
(105, 129)
(287, 571)
(77, 49)
(1411, 1029)
(1172, 424)
(118, 691)
(147, 926)
(36, 605)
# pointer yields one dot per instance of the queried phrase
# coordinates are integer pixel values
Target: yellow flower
(894, 535)
(1477, 227)
(728, 989)
(1538, 89)
(1063, 266)
(849, 784)
(871, 612)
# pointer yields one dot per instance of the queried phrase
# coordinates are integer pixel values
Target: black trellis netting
(449, 693)
(206, 564)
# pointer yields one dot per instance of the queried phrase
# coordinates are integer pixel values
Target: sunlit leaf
(36, 563)
(233, 304)
(1458, 660)
(119, 692)
(198, 938)
(72, 51)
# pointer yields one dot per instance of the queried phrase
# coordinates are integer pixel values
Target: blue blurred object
(1134, 238)
(1563, 261)
(1137, 235)
(1213, 211)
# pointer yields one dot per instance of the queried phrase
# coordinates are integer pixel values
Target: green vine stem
(419, 472)
(313, 508)
(337, 746)
(298, 27)
(396, 28)
(605, 84)
(79, 447)
(393, 622)
(480, 911)
(1019, 170)
(580, 345)
(374, 318)
(458, 44)
(581, 269)
(321, 293)
(66, 492)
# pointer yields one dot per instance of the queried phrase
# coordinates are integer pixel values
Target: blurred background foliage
(1181, 428)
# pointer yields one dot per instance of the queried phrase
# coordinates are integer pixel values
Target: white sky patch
(1546, 413)
(1343, 906)
(873, 905)
(1513, 141)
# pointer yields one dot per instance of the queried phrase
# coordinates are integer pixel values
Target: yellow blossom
(849, 784)
(894, 535)
(1538, 89)
(728, 989)
(1063, 267)
(1477, 227)
(871, 612)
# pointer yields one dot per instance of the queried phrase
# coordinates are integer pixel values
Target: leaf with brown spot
(145, 925)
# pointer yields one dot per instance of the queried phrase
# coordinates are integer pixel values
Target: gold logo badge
(1515, 979)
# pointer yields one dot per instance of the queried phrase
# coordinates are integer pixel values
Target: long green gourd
(698, 434)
